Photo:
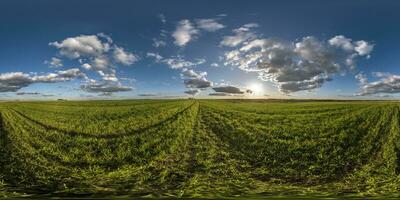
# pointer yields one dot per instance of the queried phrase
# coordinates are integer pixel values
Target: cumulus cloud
(158, 43)
(228, 89)
(363, 48)
(219, 94)
(123, 57)
(147, 95)
(194, 80)
(200, 83)
(97, 50)
(386, 84)
(100, 54)
(193, 92)
(54, 62)
(162, 18)
(13, 81)
(239, 36)
(176, 62)
(190, 73)
(105, 87)
(303, 65)
(210, 25)
(157, 57)
(27, 93)
(184, 32)
(84, 45)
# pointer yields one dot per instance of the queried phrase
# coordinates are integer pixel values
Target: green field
(200, 148)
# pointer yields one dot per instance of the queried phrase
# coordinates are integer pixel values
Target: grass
(200, 148)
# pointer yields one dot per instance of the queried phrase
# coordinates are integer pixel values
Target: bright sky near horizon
(210, 49)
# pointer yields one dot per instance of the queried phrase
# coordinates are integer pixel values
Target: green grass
(200, 148)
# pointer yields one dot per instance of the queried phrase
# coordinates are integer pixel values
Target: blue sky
(137, 49)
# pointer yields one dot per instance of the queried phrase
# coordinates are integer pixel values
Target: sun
(256, 88)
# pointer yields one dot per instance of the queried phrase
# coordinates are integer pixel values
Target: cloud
(228, 89)
(386, 84)
(214, 65)
(210, 25)
(54, 62)
(147, 95)
(177, 63)
(193, 92)
(162, 18)
(219, 94)
(190, 73)
(28, 93)
(157, 57)
(105, 88)
(184, 32)
(303, 65)
(98, 51)
(100, 54)
(123, 57)
(174, 62)
(158, 43)
(83, 45)
(13, 81)
(200, 83)
(342, 42)
(241, 35)
(362, 79)
(363, 48)
(193, 79)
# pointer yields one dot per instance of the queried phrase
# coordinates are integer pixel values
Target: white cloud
(177, 63)
(200, 83)
(241, 35)
(54, 62)
(184, 32)
(83, 45)
(386, 84)
(214, 65)
(106, 87)
(363, 48)
(123, 57)
(13, 81)
(158, 43)
(157, 57)
(193, 92)
(304, 65)
(190, 73)
(195, 80)
(87, 66)
(96, 53)
(362, 79)
(210, 25)
(162, 18)
(342, 42)
(100, 63)
(228, 89)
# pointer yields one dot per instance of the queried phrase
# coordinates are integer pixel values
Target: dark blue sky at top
(27, 27)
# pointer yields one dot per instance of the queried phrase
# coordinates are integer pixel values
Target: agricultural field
(200, 148)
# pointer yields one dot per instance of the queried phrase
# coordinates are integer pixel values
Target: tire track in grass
(240, 140)
(111, 182)
(167, 173)
(109, 135)
(54, 158)
(213, 170)
(164, 172)
(4, 154)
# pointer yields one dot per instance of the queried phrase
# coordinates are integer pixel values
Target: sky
(97, 49)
